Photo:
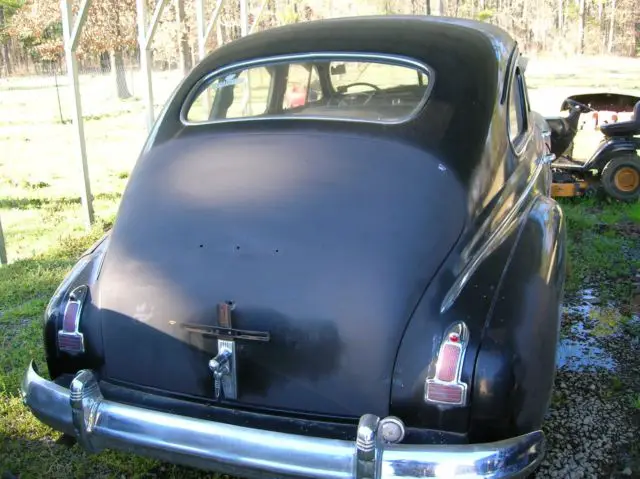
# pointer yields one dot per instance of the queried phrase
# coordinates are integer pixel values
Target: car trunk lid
(325, 243)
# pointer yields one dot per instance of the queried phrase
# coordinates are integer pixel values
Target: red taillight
(445, 393)
(70, 339)
(70, 316)
(447, 364)
(445, 386)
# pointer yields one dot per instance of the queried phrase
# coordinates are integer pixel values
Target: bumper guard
(97, 423)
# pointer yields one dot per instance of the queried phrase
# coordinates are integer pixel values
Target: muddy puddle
(583, 355)
(584, 321)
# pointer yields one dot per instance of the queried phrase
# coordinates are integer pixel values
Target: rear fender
(85, 272)
(610, 148)
(425, 332)
(515, 366)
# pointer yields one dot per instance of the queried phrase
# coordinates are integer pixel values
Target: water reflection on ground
(579, 348)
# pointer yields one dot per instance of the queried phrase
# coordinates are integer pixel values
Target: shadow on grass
(41, 452)
(33, 450)
(28, 448)
(33, 203)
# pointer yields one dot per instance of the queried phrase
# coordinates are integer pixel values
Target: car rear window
(355, 89)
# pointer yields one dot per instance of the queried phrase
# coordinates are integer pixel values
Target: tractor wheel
(621, 177)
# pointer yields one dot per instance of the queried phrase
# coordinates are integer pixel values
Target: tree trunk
(183, 38)
(118, 73)
(600, 8)
(428, 7)
(581, 16)
(560, 16)
(6, 59)
(105, 62)
(441, 8)
(612, 23)
(219, 35)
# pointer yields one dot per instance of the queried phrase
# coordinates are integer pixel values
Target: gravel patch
(593, 427)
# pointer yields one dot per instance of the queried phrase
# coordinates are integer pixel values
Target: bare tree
(612, 22)
(183, 37)
(560, 16)
(581, 15)
(5, 57)
(558, 26)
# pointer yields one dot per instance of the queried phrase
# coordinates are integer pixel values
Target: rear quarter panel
(515, 366)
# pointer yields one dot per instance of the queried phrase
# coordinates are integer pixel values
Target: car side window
(303, 86)
(244, 95)
(517, 114)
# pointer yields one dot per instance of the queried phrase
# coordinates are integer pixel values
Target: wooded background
(31, 30)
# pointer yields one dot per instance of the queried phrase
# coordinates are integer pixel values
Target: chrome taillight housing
(70, 339)
(445, 385)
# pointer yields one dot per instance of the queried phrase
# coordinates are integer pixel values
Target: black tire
(629, 164)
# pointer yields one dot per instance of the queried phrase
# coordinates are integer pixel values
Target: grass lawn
(41, 216)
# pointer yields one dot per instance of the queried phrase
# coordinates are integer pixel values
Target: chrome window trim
(397, 60)
(520, 142)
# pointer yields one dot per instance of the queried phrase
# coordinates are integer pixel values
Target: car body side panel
(420, 342)
(483, 254)
(516, 364)
(515, 361)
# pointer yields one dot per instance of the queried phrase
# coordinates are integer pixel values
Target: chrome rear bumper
(97, 423)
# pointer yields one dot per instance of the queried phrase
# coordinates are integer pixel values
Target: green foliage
(288, 15)
(616, 384)
(11, 5)
(485, 15)
(597, 242)
(607, 320)
(631, 326)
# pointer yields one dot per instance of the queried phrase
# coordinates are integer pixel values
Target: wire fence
(40, 180)
(104, 91)
(40, 176)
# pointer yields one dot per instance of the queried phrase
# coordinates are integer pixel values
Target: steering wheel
(351, 99)
(344, 88)
(581, 107)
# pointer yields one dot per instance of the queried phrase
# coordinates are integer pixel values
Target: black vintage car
(337, 256)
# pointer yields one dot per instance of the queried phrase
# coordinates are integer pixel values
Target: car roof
(468, 60)
(423, 38)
